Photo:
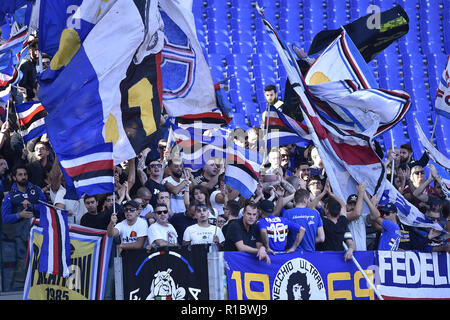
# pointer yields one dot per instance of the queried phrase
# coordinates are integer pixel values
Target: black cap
(390, 207)
(352, 198)
(266, 206)
(132, 203)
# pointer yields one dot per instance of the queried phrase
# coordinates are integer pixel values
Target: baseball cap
(132, 203)
(266, 206)
(390, 207)
(352, 198)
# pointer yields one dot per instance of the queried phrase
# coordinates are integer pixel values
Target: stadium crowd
(158, 202)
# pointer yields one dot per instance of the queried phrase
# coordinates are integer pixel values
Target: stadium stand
(414, 63)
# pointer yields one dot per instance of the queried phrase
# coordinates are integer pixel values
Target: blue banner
(299, 276)
(326, 276)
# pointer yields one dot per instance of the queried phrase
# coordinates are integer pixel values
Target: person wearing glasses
(419, 186)
(161, 233)
(132, 231)
(153, 181)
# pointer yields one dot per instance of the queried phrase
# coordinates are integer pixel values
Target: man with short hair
(154, 180)
(335, 226)
(209, 176)
(181, 221)
(244, 234)
(18, 207)
(307, 218)
(176, 185)
(132, 231)
(40, 168)
(275, 230)
(202, 232)
(93, 218)
(161, 233)
(270, 93)
(231, 212)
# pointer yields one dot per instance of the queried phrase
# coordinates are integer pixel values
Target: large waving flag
(31, 117)
(55, 251)
(348, 157)
(242, 169)
(83, 84)
(442, 102)
(188, 87)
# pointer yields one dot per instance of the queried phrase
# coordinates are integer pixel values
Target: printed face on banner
(298, 279)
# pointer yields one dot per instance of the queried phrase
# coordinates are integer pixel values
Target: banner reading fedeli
(90, 253)
(326, 276)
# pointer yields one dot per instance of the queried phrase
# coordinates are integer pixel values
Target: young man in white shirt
(176, 185)
(203, 232)
(132, 230)
(161, 233)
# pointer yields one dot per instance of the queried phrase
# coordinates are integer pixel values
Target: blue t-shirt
(310, 220)
(277, 231)
(390, 237)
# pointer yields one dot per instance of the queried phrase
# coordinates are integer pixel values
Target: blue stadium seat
(241, 24)
(218, 14)
(218, 36)
(240, 4)
(218, 47)
(243, 47)
(241, 35)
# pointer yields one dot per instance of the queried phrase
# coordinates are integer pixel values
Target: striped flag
(442, 102)
(283, 130)
(347, 156)
(55, 251)
(91, 171)
(196, 148)
(31, 116)
(242, 170)
(204, 121)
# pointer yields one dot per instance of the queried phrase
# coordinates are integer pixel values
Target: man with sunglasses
(153, 183)
(161, 233)
(132, 231)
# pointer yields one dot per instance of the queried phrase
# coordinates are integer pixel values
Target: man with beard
(176, 185)
(154, 180)
(93, 218)
(209, 176)
(161, 233)
(18, 207)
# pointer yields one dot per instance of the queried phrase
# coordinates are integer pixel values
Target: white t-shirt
(130, 234)
(157, 231)
(76, 206)
(200, 235)
(358, 229)
(176, 200)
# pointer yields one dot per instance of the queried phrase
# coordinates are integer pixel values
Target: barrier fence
(201, 272)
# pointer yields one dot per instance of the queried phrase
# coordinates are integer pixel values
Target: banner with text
(326, 276)
(90, 252)
(175, 274)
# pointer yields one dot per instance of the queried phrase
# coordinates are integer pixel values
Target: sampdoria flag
(196, 148)
(242, 169)
(55, 251)
(442, 102)
(31, 117)
(188, 87)
(283, 130)
(86, 73)
(348, 157)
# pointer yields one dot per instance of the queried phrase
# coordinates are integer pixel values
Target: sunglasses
(419, 172)
(130, 209)
(162, 211)
(157, 165)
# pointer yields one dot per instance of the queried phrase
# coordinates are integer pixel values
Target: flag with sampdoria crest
(348, 156)
(188, 87)
(89, 72)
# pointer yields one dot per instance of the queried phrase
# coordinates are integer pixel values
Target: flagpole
(392, 168)
(434, 128)
(369, 281)
(266, 132)
(49, 205)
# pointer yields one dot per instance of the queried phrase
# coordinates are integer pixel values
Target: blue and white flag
(31, 118)
(188, 87)
(442, 102)
(83, 84)
(55, 251)
(196, 148)
(242, 169)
